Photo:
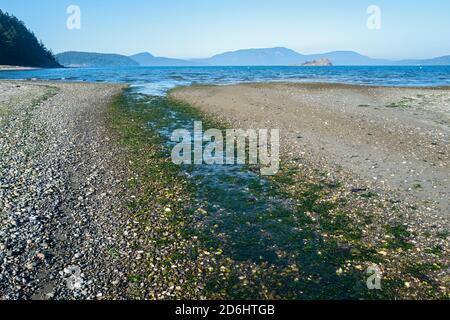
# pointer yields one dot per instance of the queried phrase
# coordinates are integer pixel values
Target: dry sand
(15, 68)
(390, 139)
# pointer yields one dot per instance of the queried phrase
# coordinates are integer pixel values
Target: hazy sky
(200, 28)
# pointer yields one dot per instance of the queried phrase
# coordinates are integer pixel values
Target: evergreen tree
(20, 47)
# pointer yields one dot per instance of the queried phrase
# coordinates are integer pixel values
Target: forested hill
(20, 47)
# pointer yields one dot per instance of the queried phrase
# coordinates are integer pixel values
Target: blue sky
(201, 28)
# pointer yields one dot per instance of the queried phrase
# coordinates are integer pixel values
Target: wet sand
(393, 140)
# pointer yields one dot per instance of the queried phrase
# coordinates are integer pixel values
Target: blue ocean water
(157, 80)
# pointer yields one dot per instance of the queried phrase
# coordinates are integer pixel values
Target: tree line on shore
(20, 47)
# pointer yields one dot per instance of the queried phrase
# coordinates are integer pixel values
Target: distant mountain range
(248, 57)
(146, 59)
(75, 59)
(286, 57)
(256, 57)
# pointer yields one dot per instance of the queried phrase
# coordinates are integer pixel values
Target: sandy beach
(394, 140)
(93, 208)
(15, 68)
(381, 154)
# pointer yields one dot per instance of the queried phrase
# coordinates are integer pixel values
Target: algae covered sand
(299, 235)
(374, 179)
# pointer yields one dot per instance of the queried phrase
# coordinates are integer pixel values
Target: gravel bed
(62, 230)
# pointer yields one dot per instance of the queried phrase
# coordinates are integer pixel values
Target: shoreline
(113, 180)
(384, 177)
(322, 83)
(382, 120)
(16, 68)
(308, 83)
(243, 82)
(352, 227)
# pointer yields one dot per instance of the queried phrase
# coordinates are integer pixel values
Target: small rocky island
(318, 63)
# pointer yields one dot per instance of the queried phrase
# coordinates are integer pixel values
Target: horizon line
(260, 48)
